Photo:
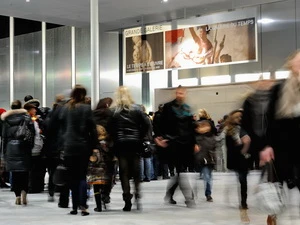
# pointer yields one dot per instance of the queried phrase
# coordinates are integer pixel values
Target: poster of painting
(226, 42)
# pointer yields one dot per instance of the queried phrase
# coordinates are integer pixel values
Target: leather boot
(98, 202)
(127, 198)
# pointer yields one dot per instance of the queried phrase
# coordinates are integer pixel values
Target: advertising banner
(226, 42)
(144, 52)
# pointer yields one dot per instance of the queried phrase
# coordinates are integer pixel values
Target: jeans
(146, 168)
(242, 176)
(207, 177)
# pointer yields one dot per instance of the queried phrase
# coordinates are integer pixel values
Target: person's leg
(142, 166)
(97, 194)
(147, 169)
(207, 175)
(242, 176)
(16, 182)
(135, 173)
(124, 177)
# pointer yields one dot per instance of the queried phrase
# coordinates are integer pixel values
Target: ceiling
(116, 14)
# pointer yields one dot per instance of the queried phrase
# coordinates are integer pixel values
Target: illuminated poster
(144, 52)
(226, 42)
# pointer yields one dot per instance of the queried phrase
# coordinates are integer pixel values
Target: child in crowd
(205, 153)
(101, 170)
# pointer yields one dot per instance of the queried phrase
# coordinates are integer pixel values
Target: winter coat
(101, 116)
(283, 136)
(128, 125)
(177, 123)
(207, 153)
(17, 152)
(79, 132)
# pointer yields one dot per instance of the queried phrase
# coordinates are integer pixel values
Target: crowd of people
(120, 138)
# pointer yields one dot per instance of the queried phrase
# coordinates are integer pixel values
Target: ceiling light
(265, 20)
(27, 0)
(164, 1)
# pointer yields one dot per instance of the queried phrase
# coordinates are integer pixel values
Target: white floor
(223, 211)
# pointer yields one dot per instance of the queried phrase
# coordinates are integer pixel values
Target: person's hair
(204, 114)
(16, 104)
(27, 98)
(229, 122)
(289, 95)
(77, 96)
(29, 106)
(104, 103)
(123, 99)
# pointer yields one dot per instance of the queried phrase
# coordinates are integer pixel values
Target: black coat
(101, 116)
(128, 125)
(207, 153)
(17, 152)
(177, 123)
(79, 132)
(283, 136)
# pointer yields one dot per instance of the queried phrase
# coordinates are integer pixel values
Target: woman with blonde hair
(128, 126)
(283, 131)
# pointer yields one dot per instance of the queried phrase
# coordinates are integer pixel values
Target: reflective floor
(223, 211)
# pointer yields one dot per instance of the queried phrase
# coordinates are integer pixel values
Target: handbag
(269, 194)
(60, 176)
(23, 132)
(148, 149)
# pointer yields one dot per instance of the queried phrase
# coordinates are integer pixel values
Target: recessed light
(163, 1)
(27, 0)
(265, 20)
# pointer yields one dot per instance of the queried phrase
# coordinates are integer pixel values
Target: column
(95, 80)
(11, 59)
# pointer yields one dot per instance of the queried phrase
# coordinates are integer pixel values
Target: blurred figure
(101, 169)
(283, 131)
(102, 113)
(146, 160)
(162, 165)
(178, 137)
(17, 151)
(204, 115)
(127, 127)
(53, 150)
(255, 119)
(237, 144)
(41, 111)
(205, 153)
(79, 138)
(38, 167)
(4, 175)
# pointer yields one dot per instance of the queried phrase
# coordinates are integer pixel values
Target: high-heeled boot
(98, 202)
(24, 197)
(127, 198)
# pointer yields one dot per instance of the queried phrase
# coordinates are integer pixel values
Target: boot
(244, 216)
(127, 198)
(24, 197)
(138, 202)
(271, 220)
(98, 202)
(18, 200)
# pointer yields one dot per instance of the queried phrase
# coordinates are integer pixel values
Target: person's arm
(246, 144)
(194, 35)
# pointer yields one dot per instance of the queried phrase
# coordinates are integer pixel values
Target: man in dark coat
(177, 137)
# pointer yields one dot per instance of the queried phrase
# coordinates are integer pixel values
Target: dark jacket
(78, 130)
(101, 116)
(283, 136)
(157, 124)
(207, 153)
(17, 152)
(53, 143)
(128, 125)
(177, 123)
